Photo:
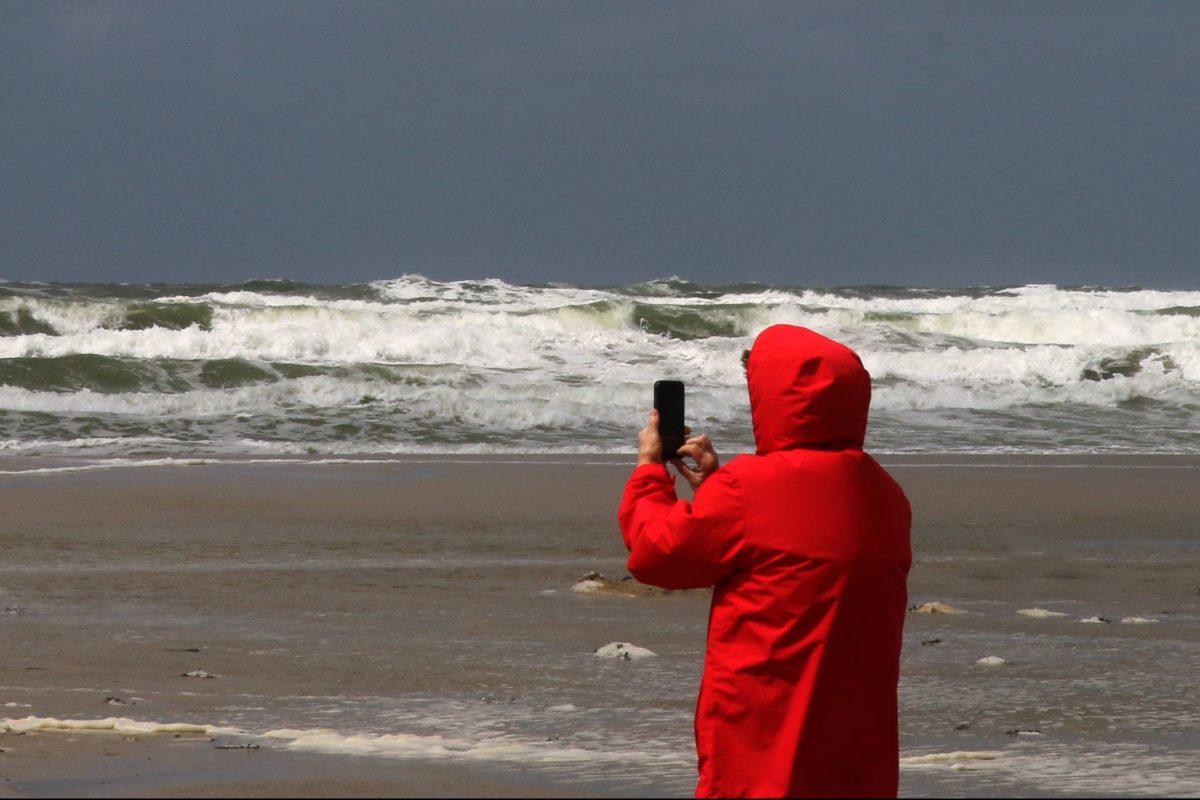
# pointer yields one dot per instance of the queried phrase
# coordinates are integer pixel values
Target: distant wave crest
(410, 364)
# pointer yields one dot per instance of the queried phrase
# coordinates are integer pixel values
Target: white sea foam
(951, 759)
(1040, 613)
(1091, 768)
(406, 745)
(109, 724)
(493, 748)
(476, 364)
(489, 747)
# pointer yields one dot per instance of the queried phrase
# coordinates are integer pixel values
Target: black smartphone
(668, 401)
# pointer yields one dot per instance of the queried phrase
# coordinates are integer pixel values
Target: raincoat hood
(806, 391)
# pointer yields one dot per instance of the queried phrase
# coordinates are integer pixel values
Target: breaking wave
(415, 365)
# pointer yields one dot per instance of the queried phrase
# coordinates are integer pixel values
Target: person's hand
(649, 441)
(701, 451)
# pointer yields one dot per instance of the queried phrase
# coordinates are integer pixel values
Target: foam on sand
(992, 661)
(624, 651)
(1040, 613)
(508, 749)
(122, 725)
(496, 748)
(959, 759)
(933, 608)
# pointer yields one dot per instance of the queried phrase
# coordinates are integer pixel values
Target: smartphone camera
(668, 401)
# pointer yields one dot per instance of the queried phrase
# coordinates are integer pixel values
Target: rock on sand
(992, 661)
(595, 583)
(933, 608)
(624, 651)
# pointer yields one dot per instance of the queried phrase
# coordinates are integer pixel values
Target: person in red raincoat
(806, 544)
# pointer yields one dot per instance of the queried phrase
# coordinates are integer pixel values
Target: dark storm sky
(813, 143)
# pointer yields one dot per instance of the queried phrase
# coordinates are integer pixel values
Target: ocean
(408, 366)
(386, 499)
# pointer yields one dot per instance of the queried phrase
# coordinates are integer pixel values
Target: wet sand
(284, 580)
(112, 765)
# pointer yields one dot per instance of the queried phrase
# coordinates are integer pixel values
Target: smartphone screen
(668, 400)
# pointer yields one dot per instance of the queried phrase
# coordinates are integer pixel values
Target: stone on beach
(992, 661)
(933, 608)
(624, 651)
(595, 583)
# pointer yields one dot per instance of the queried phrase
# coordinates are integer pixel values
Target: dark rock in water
(931, 641)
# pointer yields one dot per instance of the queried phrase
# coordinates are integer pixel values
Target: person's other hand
(702, 453)
(649, 442)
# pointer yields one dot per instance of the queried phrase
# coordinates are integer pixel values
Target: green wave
(1126, 364)
(230, 373)
(1176, 311)
(694, 322)
(21, 321)
(103, 374)
(170, 316)
(890, 317)
(111, 375)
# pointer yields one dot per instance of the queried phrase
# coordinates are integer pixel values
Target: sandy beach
(408, 628)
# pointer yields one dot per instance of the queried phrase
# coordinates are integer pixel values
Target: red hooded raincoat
(807, 545)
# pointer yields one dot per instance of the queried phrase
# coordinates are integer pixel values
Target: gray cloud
(825, 143)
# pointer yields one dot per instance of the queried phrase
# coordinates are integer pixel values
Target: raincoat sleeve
(674, 544)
